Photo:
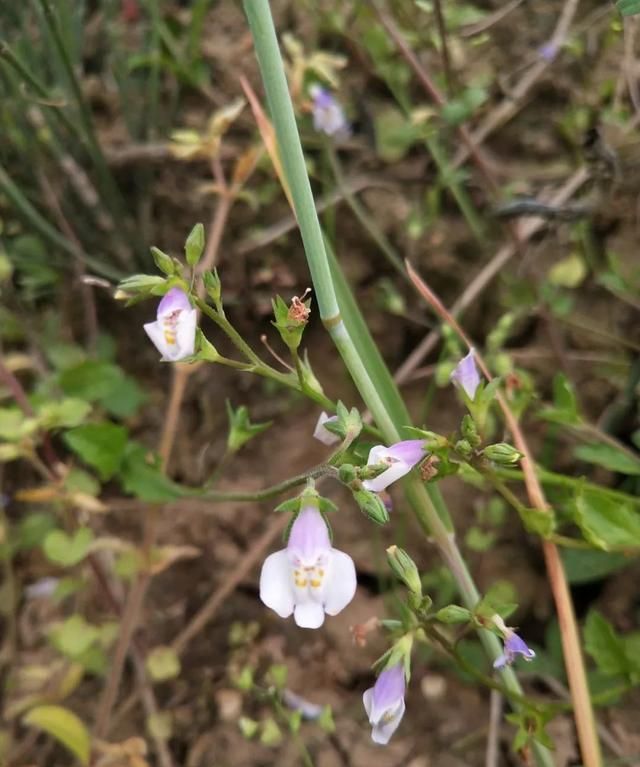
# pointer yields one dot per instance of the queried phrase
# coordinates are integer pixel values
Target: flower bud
(371, 504)
(212, 285)
(194, 245)
(405, 569)
(347, 473)
(469, 431)
(463, 447)
(164, 262)
(502, 453)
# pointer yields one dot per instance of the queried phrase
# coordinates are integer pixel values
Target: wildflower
(384, 703)
(322, 433)
(513, 645)
(548, 51)
(399, 458)
(309, 578)
(328, 115)
(174, 331)
(466, 375)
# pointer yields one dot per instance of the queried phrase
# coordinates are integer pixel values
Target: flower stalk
(424, 502)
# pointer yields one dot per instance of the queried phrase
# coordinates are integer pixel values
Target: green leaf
(604, 645)
(162, 663)
(586, 566)
(101, 445)
(569, 272)
(144, 479)
(64, 726)
(241, 430)
(565, 405)
(14, 425)
(454, 614)
(74, 636)
(607, 523)
(67, 413)
(103, 382)
(628, 7)
(395, 134)
(33, 530)
(609, 457)
(66, 550)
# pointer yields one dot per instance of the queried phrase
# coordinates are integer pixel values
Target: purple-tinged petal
(309, 536)
(515, 645)
(175, 300)
(500, 661)
(409, 451)
(384, 703)
(321, 433)
(548, 51)
(400, 458)
(466, 375)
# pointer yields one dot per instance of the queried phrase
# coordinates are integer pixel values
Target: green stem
(270, 62)
(274, 490)
(553, 479)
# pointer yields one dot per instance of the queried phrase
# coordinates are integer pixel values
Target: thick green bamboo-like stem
(281, 109)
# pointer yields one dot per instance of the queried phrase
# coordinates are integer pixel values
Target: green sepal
(163, 261)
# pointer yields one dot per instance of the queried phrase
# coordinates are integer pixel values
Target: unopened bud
(347, 473)
(371, 504)
(463, 447)
(164, 262)
(212, 285)
(405, 569)
(502, 453)
(194, 245)
(469, 431)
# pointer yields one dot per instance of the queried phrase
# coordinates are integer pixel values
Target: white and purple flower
(309, 578)
(384, 703)
(322, 433)
(328, 115)
(514, 645)
(174, 331)
(466, 375)
(399, 460)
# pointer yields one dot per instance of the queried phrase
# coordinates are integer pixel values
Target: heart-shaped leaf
(67, 550)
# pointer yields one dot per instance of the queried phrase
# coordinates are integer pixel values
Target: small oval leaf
(64, 726)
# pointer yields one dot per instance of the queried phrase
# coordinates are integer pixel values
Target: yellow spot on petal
(316, 584)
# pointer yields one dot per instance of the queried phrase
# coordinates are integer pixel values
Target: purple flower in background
(384, 703)
(328, 115)
(309, 578)
(399, 458)
(323, 434)
(466, 376)
(548, 51)
(174, 331)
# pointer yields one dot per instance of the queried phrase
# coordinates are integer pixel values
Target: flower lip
(174, 331)
(466, 375)
(400, 459)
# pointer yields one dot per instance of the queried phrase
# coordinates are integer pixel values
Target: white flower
(384, 703)
(309, 578)
(174, 331)
(323, 434)
(400, 458)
